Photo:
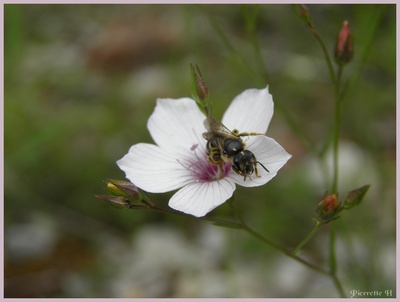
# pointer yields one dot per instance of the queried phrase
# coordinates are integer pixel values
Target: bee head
(244, 163)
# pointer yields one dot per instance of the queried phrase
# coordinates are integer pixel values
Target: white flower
(179, 159)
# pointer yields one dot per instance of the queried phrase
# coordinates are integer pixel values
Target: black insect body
(225, 146)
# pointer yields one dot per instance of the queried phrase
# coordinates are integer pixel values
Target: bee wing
(215, 127)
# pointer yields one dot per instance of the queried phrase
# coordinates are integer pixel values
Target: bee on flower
(187, 157)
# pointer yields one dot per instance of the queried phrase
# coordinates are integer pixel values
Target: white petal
(250, 111)
(268, 152)
(153, 169)
(176, 125)
(199, 198)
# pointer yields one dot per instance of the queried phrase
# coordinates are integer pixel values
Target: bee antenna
(263, 166)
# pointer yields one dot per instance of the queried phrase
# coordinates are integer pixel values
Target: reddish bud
(344, 45)
(328, 208)
(330, 202)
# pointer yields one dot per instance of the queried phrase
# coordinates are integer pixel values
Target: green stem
(311, 234)
(243, 226)
(277, 247)
(222, 222)
(333, 263)
(326, 53)
(335, 187)
(332, 258)
(336, 132)
(246, 228)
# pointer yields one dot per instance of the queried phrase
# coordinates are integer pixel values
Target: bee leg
(256, 171)
(214, 157)
(249, 134)
(221, 170)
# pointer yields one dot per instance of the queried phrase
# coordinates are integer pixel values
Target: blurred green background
(82, 80)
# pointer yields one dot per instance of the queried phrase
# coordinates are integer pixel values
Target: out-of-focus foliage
(82, 80)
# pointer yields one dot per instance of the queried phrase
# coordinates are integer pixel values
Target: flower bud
(344, 45)
(123, 188)
(355, 197)
(303, 13)
(116, 201)
(128, 191)
(328, 208)
(199, 88)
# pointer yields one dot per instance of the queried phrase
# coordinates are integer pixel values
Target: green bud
(355, 197)
(199, 88)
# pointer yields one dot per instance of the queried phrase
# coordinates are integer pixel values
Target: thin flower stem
(326, 54)
(311, 234)
(332, 258)
(243, 226)
(218, 221)
(335, 186)
(338, 286)
(335, 139)
(333, 263)
(246, 228)
(277, 247)
(336, 132)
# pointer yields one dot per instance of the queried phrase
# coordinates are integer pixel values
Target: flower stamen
(202, 169)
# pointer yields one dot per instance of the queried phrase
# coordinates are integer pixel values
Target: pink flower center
(202, 169)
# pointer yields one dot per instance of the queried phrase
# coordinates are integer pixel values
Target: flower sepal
(125, 194)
